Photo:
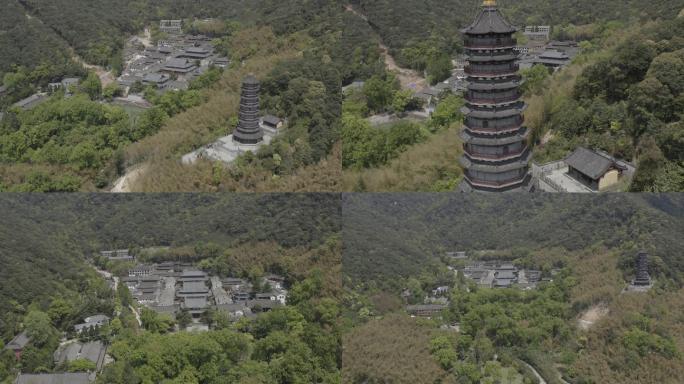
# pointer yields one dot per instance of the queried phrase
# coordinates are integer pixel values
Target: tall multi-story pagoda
(248, 130)
(642, 276)
(496, 153)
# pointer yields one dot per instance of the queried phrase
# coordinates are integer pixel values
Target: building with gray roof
(31, 102)
(55, 378)
(195, 53)
(505, 274)
(18, 343)
(195, 303)
(193, 275)
(193, 288)
(179, 66)
(593, 169)
(157, 79)
(117, 254)
(93, 351)
(262, 305)
(92, 322)
(425, 310)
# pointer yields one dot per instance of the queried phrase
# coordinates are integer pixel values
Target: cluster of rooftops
(71, 350)
(170, 287)
(171, 64)
(487, 274)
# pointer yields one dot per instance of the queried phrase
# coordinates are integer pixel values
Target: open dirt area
(592, 315)
(125, 183)
(408, 78)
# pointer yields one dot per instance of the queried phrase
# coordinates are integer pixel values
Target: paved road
(220, 295)
(168, 292)
(137, 315)
(539, 377)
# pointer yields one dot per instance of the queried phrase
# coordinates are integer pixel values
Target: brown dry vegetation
(394, 349)
(198, 126)
(297, 262)
(603, 358)
(598, 278)
(607, 361)
(429, 166)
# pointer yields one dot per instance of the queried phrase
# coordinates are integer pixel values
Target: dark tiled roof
(589, 163)
(193, 273)
(30, 101)
(268, 304)
(178, 63)
(196, 302)
(270, 119)
(194, 287)
(54, 378)
(554, 54)
(425, 307)
(490, 20)
(19, 341)
(93, 351)
(505, 275)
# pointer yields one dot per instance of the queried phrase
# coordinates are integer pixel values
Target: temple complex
(496, 153)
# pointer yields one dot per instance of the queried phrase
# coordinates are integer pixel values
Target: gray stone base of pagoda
(525, 186)
(254, 138)
(634, 287)
(226, 149)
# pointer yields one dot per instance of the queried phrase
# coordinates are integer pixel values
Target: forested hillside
(96, 30)
(300, 51)
(400, 235)
(578, 326)
(47, 283)
(46, 239)
(411, 29)
(625, 99)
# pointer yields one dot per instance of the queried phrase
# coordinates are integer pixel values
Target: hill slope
(46, 239)
(390, 235)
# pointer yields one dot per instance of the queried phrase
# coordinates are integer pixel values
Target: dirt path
(591, 316)
(146, 40)
(125, 183)
(106, 77)
(534, 371)
(408, 78)
(351, 9)
(137, 315)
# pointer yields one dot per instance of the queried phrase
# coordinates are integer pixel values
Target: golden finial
(489, 3)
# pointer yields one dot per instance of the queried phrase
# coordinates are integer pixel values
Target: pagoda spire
(248, 130)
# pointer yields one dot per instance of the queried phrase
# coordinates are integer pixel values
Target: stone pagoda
(248, 130)
(251, 133)
(496, 153)
(642, 277)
